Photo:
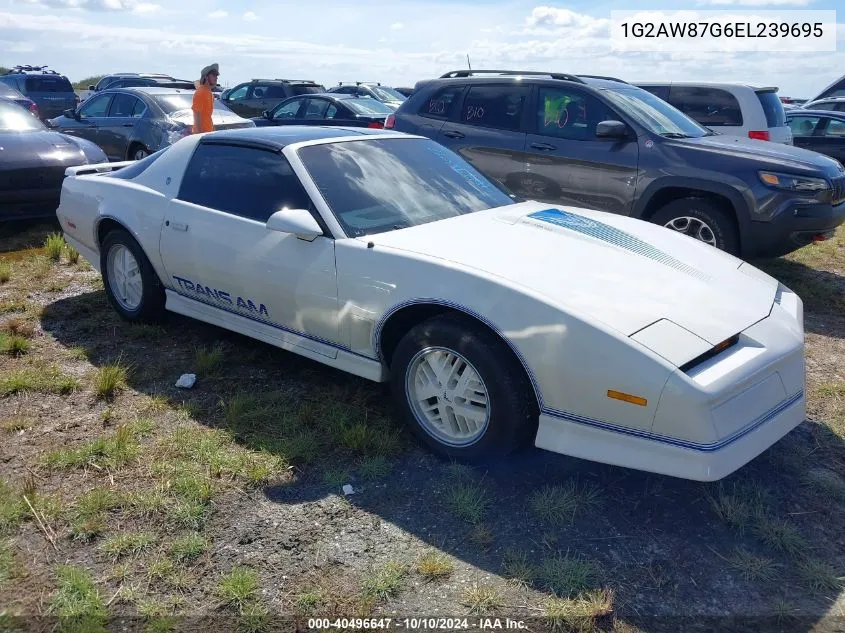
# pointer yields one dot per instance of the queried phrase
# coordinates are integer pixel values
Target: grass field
(220, 508)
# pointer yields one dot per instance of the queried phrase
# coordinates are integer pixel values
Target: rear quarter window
(711, 107)
(773, 108)
(443, 103)
(48, 84)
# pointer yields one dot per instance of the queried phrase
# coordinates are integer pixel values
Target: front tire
(461, 390)
(138, 152)
(131, 284)
(701, 220)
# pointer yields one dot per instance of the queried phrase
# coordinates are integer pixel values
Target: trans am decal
(612, 235)
(221, 296)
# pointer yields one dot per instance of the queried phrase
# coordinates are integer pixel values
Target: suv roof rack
(359, 83)
(470, 73)
(606, 78)
(287, 81)
(31, 69)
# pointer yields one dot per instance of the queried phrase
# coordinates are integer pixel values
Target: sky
(396, 42)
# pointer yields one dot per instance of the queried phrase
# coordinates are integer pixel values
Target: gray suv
(601, 143)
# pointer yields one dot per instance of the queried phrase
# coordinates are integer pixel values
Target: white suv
(731, 109)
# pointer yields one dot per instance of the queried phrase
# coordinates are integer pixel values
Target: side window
(239, 92)
(124, 105)
(96, 107)
(836, 90)
(258, 92)
(316, 109)
(709, 106)
(835, 128)
(570, 114)
(218, 175)
(495, 106)
(346, 90)
(661, 92)
(276, 92)
(840, 107)
(331, 111)
(803, 125)
(443, 103)
(289, 110)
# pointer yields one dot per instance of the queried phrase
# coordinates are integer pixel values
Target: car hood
(776, 155)
(21, 150)
(625, 273)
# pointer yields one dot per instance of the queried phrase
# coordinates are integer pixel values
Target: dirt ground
(128, 504)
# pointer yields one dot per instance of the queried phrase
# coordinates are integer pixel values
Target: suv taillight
(760, 135)
(390, 122)
(33, 108)
(375, 124)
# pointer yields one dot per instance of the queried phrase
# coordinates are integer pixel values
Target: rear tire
(701, 220)
(138, 152)
(462, 392)
(131, 284)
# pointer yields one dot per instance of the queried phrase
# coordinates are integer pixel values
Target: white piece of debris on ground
(186, 381)
(348, 489)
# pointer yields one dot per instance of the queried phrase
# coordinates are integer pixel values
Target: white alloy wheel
(124, 276)
(694, 227)
(140, 153)
(447, 396)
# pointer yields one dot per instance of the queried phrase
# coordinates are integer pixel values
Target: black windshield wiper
(675, 135)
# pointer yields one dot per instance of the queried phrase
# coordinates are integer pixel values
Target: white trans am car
(498, 322)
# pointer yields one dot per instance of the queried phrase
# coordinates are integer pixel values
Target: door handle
(543, 146)
(454, 134)
(128, 125)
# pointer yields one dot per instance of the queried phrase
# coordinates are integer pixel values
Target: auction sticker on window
(790, 31)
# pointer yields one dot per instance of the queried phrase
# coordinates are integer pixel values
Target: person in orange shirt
(203, 104)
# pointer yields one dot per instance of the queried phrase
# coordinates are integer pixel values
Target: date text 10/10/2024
(417, 624)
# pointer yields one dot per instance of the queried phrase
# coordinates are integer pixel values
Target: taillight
(375, 124)
(391, 121)
(760, 135)
(33, 108)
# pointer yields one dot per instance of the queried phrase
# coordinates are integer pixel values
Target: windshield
(367, 105)
(654, 114)
(13, 118)
(175, 102)
(373, 186)
(387, 94)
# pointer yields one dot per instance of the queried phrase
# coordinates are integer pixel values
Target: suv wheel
(701, 220)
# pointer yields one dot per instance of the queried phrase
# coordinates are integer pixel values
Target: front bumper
(710, 420)
(797, 226)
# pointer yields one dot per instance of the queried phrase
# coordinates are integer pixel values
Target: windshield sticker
(223, 297)
(612, 235)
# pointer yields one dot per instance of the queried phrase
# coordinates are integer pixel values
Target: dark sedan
(327, 109)
(33, 160)
(9, 94)
(132, 123)
(822, 131)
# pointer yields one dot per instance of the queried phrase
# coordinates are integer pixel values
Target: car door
(489, 131)
(288, 112)
(90, 118)
(567, 163)
(120, 126)
(236, 99)
(830, 138)
(257, 100)
(804, 130)
(217, 249)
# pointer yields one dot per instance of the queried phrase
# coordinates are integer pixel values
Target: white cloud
(397, 26)
(249, 16)
(219, 14)
(119, 6)
(551, 21)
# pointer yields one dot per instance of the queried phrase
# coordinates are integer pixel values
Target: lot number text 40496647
(418, 624)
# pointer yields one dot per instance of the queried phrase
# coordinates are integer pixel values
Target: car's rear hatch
(777, 127)
(53, 94)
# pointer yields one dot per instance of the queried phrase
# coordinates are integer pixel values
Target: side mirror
(266, 114)
(92, 88)
(612, 129)
(70, 113)
(299, 222)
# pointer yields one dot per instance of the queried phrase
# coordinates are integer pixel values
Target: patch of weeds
(385, 581)
(567, 575)
(112, 451)
(255, 618)
(433, 564)
(517, 567)
(560, 503)
(818, 576)
(13, 345)
(826, 482)
(77, 353)
(780, 535)
(158, 403)
(8, 567)
(188, 547)
(752, 567)
(376, 467)
(8, 306)
(209, 360)
(72, 254)
(482, 598)
(579, 613)
(482, 536)
(48, 380)
(161, 624)
(5, 272)
(17, 423)
(109, 380)
(19, 327)
(78, 599)
(12, 508)
(783, 610)
(127, 543)
(239, 587)
(739, 506)
(335, 478)
(89, 514)
(307, 601)
(146, 503)
(53, 246)
(160, 568)
(468, 500)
